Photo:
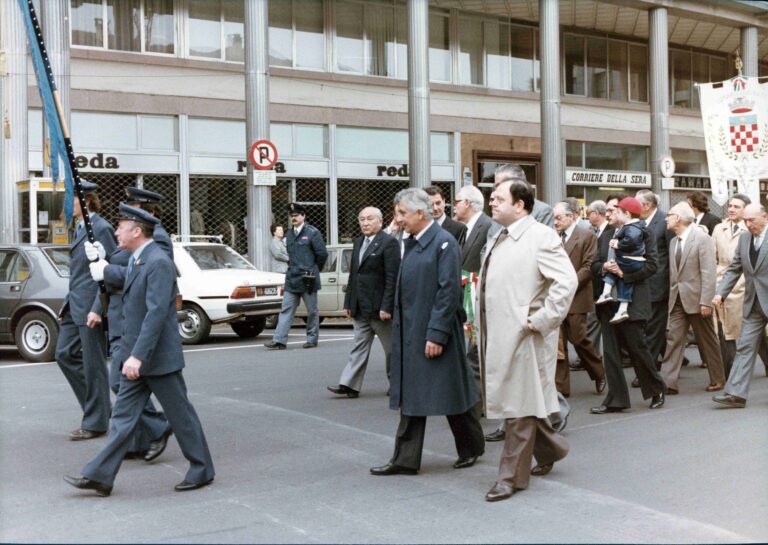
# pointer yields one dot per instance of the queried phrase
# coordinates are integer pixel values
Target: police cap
(128, 212)
(135, 194)
(87, 186)
(296, 208)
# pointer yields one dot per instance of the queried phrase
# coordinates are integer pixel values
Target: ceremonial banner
(735, 117)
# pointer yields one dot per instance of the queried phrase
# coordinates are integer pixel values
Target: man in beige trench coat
(527, 284)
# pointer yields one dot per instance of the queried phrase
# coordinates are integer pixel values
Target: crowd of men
(475, 315)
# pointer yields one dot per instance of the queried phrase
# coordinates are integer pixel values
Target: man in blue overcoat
(306, 258)
(430, 375)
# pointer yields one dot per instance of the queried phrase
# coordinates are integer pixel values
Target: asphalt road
(292, 464)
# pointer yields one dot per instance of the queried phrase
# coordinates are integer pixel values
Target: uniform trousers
(527, 438)
(752, 329)
(409, 440)
(365, 329)
(81, 353)
(132, 397)
(291, 302)
(574, 330)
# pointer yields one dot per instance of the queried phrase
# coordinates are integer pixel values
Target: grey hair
(567, 208)
(414, 199)
(509, 172)
(685, 212)
(375, 211)
(597, 206)
(646, 196)
(742, 197)
(474, 196)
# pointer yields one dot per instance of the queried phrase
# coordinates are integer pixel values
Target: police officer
(151, 361)
(152, 432)
(307, 255)
(81, 350)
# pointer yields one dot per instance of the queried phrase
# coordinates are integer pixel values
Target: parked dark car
(34, 280)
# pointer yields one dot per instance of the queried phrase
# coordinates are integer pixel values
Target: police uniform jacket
(83, 295)
(306, 253)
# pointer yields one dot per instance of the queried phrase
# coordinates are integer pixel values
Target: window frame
(326, 35)
(222, 36)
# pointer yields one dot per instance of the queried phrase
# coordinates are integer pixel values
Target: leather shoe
(461, 463)
(635, 382)
(135, 454)
(185, 485)
(82, 435)
(500, 491)
(392, 469)
(274, 346)
(603, 409)
(686, 361)
(672, 391)
(497, 435)
(101, 489)
(600, 385)
(715, 387)
(343, 390)
(542, 469)
(730, 400)
(657, 401)
(578, 366)
(309, 345)
(157, 446)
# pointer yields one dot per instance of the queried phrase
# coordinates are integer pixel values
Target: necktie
(366, 242)
(563, 236)
(735, 228)
(462, 238)
(130, 266)
(296, 232)
(678, 252)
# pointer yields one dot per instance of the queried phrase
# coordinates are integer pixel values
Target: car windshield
(59, 257)
(217, 256)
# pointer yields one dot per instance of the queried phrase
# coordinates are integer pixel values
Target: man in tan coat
(527, 284)
(691, 289)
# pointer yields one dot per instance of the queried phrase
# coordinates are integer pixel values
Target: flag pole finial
(738, 64)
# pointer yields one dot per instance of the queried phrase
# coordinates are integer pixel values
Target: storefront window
(638, 73)
(88, 131)
(573, 47)
(601, 156)
(371, 144)
(216, 136)
(574, 154)
(439, 47)
(689, 161)
(159, 133)
(299, 21)
(471, 51)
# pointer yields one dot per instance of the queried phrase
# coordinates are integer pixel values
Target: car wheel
(271, 321)
(196, 326)
(319, 321)
(249, 328)
(36, 335)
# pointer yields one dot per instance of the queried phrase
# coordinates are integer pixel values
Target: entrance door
(487, 163)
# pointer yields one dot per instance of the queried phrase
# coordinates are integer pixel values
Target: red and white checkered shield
(744, 133)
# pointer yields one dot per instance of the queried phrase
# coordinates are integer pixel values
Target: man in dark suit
(81, 350)
(430, 375)
(700, 204)
(458, 230)
(307, 256)
(599, 225)
(469, 211)
(152, 362)
(581, 246)
(369, 298)
(630, 333)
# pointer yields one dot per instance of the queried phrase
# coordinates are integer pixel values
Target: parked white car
(218, 286)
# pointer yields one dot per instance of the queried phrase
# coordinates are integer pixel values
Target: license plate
(271, 291)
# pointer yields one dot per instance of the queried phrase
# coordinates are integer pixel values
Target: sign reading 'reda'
(607, 178)
(97, 161)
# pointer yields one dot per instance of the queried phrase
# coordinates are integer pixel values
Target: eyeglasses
(457, 201)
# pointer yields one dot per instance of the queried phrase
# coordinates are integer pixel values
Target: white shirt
(568, 232)
(471, 223)
(418, 236)
(759, 238)
(683, 236)
(297, 230)
(600, 229)
(649, 219)
(698, 218)
(440, 220)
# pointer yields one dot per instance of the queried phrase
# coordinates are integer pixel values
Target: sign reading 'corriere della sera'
(607, 178)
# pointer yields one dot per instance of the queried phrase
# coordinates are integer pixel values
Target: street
(292, 463)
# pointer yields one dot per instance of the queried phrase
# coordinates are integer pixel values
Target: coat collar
(145, 254)
(375, 242)
(428, 235)
(521, 227)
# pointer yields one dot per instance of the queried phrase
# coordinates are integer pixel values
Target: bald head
(680, 217)
(371, 221)
(755, 218)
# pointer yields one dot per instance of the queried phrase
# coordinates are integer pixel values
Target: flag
(469, 283)
(735, 117)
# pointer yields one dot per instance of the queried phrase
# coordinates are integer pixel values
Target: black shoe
(185, 486)
(497, 435)
(343, 390)
(602, 409)
(635, 382)
(274, 346)
(730, 400)
(135, 454)
(81, 434)
(657, 401)
(309, 345)
(686, 361)
(600, 385)
(392, 469)
(461, 463)
(578, 366)
(87, 484)
(157, 446)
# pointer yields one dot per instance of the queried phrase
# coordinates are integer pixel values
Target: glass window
(346, 260)
(700, 74)
(401, 34)
(379, 40)
(87, 20)
(281, 134)
(617, 69)
(35, 129)
(471, 51)
(441, 147)
(280, 34)
(522, 56)
(689, 161)
(311, 140)
(574, 154)
(158, 26)
(718, 69)
(638, 73)
(597, 68)
(59, 257)
(536, 61)
(371, 144)
(123, 30)
(216, 136)
(349, 37)
(204, 29)
(217, 257)
(310, 41)
(89, 134)
(234, 30)
(159, 133)
(13, 266)
(439, 48)
(573, 46)
(602, 156)
(680, 68)
(497, 55)
(330, 263)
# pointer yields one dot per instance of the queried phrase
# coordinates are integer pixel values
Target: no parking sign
(263, 155)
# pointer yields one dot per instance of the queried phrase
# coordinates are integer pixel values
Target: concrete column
(15, 164)
(184, 199)
(552, 187)
(257, 126)
(418, 94)
(748, 51)
(658, 53)
(54, 19)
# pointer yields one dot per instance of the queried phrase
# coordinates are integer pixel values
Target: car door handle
(331, 280)
(15, 288)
